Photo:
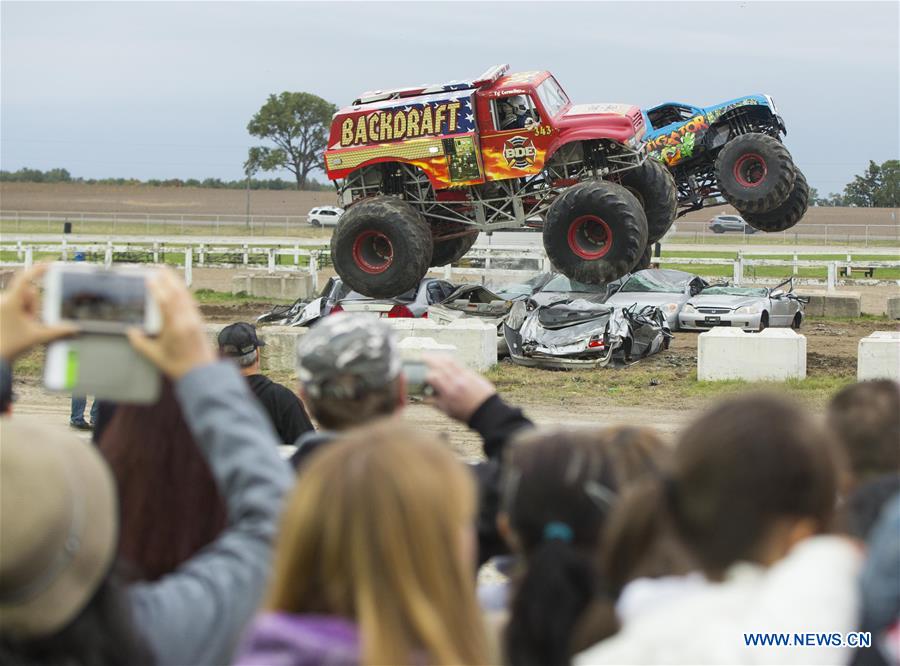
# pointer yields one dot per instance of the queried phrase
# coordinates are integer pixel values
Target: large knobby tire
(787, 214)
(595, 232)
(449, 251)
(653, 185)
(381, 247)
(755, 172)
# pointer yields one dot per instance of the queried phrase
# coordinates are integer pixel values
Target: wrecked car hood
(723, 301)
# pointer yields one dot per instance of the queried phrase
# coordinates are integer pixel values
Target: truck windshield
(552, 96)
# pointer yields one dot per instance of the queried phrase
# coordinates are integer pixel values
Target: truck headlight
(688, 308)
(748, 309)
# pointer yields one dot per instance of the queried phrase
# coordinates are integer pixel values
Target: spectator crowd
(185, 536)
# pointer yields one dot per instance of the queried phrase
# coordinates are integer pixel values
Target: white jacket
(812, 590)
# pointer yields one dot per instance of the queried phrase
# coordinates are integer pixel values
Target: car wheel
(718, 230)
(763, 321)
(798, 320)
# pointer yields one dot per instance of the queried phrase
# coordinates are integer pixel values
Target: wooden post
(832, 276)
(155, 252)
(296, 255)
(29, 257)
(271, 259)
(108, 256)
(314, 270)
(245, 254)
(739, 269)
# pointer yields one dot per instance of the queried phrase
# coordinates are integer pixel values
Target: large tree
(879, 186)
(298, 124)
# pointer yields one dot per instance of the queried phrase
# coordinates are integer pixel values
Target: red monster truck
(422, 170)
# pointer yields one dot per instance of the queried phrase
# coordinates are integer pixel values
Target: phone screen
(103, 297)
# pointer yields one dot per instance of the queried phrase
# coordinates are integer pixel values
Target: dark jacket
(286, 412)
(496, 422)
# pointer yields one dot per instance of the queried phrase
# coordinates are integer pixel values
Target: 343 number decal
(543, 130)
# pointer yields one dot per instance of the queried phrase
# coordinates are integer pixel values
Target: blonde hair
(373, 532)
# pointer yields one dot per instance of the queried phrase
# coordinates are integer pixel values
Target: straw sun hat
(58, 527)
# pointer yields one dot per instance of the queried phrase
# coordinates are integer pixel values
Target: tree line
(877, 187)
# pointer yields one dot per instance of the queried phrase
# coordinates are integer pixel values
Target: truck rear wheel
(449, 251)
(595, 232)
(787, 214)
(755, 172)
(381, 247)
(653, 185)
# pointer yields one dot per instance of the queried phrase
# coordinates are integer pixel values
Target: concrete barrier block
(412, 348)
(842, 304)
(475, 341)
(279, 353)
(775, 354)
(878, 356)
(282, 286)
(893, 307)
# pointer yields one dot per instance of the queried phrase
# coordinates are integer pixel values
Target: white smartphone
(104, 366)
(99, 300)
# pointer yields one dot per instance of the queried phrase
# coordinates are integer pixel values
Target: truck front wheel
(381, 247)
(595, 232)
(755, 172)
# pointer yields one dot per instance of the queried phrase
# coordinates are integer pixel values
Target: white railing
(507, 259)
(186, 223)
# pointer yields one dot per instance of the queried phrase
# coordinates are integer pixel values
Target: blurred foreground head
(559, 490)
(349, 370)
(865, 418)
(58, 523)
(748, 479)
(379, 530)
(60, 600)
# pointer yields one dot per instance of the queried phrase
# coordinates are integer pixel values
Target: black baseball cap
(239, 339)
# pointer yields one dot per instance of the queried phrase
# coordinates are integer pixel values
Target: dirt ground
(80, 197)
(648, 393)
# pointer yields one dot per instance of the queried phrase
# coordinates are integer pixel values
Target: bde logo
(519, 152)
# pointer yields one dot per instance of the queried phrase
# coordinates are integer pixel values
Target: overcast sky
(163, 90)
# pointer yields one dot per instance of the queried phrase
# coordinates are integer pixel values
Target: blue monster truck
(732, 150)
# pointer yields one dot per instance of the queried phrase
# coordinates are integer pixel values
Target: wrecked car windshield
(734, 291)
(645, 281)
(563, 284)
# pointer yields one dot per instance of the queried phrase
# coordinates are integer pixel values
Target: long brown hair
(374, 532)
(735, 470)
(169, 504)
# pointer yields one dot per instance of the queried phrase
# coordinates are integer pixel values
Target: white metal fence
(513, 261)
(261, 225)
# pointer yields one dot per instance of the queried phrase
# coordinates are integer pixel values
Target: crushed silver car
(473, 300)
(665, 288)
(337, 297)
(748, 308)
(580, 333)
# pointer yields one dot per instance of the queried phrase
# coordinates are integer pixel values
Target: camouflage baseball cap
(346, 355)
